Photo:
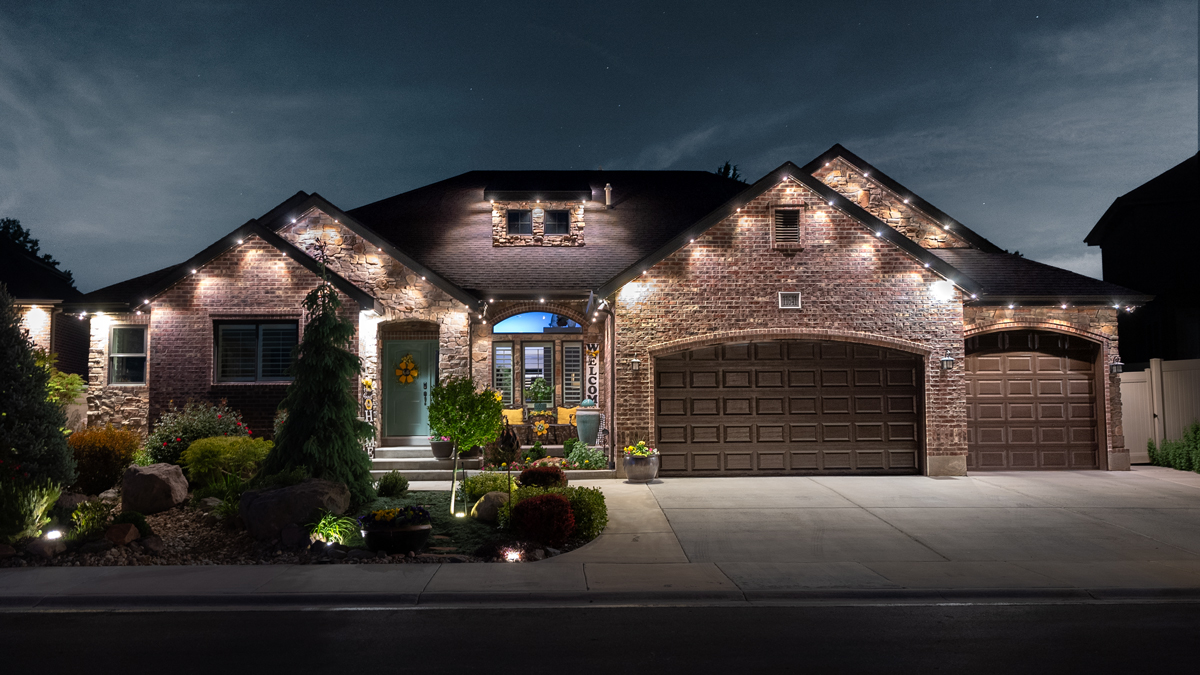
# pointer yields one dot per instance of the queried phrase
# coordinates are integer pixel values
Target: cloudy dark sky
(134, 134)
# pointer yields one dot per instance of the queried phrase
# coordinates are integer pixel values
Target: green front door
(406, 395)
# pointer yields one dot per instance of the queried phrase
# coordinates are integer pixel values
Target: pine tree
(32, 444)
(322, 431)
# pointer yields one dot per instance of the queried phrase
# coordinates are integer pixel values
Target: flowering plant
(401, 517)
(434, 438)
(640, 450)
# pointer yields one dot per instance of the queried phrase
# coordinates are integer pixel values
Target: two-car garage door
(789, 407)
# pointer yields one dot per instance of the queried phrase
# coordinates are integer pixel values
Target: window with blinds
(572, 376)
(255, 351)
(502, 371)
(785, 231)
(537, 360)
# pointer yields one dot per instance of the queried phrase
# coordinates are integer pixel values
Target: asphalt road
(1036, 638)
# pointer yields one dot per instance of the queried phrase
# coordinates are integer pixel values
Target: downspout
(612, 386)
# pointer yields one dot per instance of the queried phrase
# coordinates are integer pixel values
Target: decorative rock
(153, 489)
(267, 512)
(538, 554)
(7, 551)
(68, 501)
(551, 552)
(97, 546)
(110, 496)
(293, 536)
(46, 548)
(153, 544)
(121, 533)
(337, 555)
(209, 503)
(360, 554)
(487, 508)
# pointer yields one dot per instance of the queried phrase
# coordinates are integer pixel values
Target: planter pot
(541, 406)
(587, 422)
(397, 539)
(641, 469)
(442, 449)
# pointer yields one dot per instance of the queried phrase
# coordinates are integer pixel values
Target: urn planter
(442, 449)
(397, 539)
(587, 421)
(641, 469)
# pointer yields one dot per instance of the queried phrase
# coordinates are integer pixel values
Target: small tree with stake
(322, 431)
(465, 416)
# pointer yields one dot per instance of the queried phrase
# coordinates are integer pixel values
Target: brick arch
(686, 344)
(409, 329)
(523, 307)
(1048, 326)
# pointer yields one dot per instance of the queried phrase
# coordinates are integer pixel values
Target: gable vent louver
(789, 299)
(786, 228)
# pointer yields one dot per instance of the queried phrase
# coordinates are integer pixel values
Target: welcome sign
(592, 383)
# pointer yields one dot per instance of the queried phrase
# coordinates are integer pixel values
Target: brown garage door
(1031, 402)
(788, 407)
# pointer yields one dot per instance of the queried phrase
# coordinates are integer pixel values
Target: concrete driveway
(1088, 529)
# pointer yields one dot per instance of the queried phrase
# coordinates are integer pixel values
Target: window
(127, 355)
(785, 228)
(538, 361)
(537, 322)
(255, 352)
(558, 222)
(572, 377)
(502, 371)
(520, 222)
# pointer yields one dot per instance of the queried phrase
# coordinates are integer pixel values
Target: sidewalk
(1052, 537)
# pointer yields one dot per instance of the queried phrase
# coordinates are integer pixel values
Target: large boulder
(267, 512)
(487, 508)
(153, 489)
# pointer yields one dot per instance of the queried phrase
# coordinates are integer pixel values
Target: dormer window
(520, 221)
(558, 222)
(786, 227)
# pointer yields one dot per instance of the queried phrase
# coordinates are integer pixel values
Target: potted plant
(442, 446)
(587, 421)
(396, 530)
(539, 393)
(641, 463)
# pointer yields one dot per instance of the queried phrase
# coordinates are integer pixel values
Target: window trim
(509, 223)
(506, 401)
(797, 245)
(546, 223)
(258, 324)
(144, 354)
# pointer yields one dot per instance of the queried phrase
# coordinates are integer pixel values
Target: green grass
(465, 534)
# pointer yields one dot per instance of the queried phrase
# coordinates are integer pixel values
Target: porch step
(403, 451)
(391, 441)
(406, 464)
(445, 474)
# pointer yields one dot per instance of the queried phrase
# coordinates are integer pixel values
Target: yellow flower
(498, 395)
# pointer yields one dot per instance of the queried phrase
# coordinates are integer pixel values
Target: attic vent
(785, 228)
(789, 299)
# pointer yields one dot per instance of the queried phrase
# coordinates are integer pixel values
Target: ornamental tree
(464, 415)
(321, 431)
(32, 444)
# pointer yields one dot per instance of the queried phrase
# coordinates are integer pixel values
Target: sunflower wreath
(406, 370)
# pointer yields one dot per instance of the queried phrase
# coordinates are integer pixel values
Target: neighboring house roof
(1008, 277)
(1166, 202)
(448, 226)
(135, 292)
(28, 277)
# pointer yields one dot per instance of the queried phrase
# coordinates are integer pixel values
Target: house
(41, 291)
(1148, 239)
(825, 319)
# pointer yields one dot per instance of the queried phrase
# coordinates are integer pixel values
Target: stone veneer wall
(723, 287)
(1095, 323)
(121, 405)
(501, 237)
(886, 205)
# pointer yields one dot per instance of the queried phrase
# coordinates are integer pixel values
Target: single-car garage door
(1031, 402)
(788, 407)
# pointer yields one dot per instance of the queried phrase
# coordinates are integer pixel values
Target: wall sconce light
(636, 363)
(1117, 368)
(947, 361)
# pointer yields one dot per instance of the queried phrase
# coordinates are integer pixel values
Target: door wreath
(406, 370)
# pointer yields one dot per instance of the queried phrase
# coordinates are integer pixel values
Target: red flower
(164, 444)
(218, 416)
(178, 439)
(239, 424)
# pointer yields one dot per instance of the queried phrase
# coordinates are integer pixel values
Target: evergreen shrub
(543, 477)
(1183, 454)
(479, 485)
(546, 518)
(178, 428)
(587, 504)
(392, 484)
(209, 460)
(101, 455)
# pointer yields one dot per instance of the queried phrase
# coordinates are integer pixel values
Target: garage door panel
(1031, 402)
(808, 406)
(673, 462)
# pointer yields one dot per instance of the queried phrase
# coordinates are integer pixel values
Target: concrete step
(390, 441)
(445, 474)
(404, 464)
(401, 452)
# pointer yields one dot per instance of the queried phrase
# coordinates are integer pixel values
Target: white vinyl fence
(1159, 403)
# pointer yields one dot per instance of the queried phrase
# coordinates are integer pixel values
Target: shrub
(504, 450)
(209, 459)
(475, 487)
(101, 455)
(530, 455)
(587, 504)
(544, 477)
(32, 446)
(62, 388)
(90, 518)
(136, 519)
(228, 509)
(546, 518)
(330, 527)
(1183, 454)
(225, 487)
(392, 484)
(178, 428)
(24, 506)
(287, 478)
(583, 457)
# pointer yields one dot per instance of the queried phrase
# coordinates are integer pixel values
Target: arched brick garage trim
(497, 315)
(686, 344)
(1113, 455)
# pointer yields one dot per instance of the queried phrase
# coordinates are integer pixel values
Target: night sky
(132, 135)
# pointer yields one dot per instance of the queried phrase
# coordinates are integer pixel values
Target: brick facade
(501, 237)
(37, 320)
(855, 287)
